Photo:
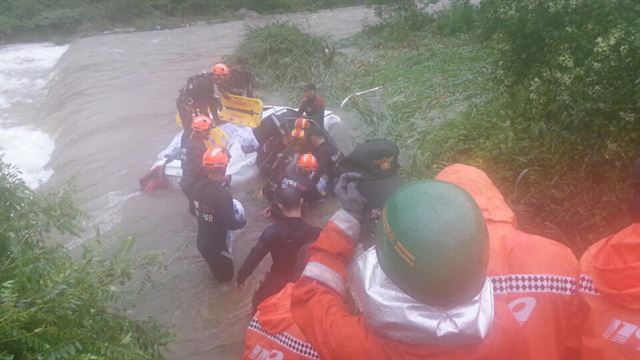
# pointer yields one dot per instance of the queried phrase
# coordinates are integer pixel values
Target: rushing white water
(25, 70)
(30, 150)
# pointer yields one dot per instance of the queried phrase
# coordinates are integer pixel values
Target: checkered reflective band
(286, 340)
(586, 285)
(534, 283)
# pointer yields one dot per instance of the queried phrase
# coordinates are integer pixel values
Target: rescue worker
(241, 79)
(422, 289)
(272, 333)
(327, 155)
(299, 176)
(221, 76)
(312, 105)
(299, 141)
(283, 239)
(377, 161)
(610, 283)
(191, 161)
(536, 276)
(195, 98)
(216, 215)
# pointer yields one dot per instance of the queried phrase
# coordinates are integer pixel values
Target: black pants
(271, 285)
(186, 186)
(218, 258)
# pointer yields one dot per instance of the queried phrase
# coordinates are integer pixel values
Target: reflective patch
(586, 285)
(325, 275)
(621, 332)
(522, 308)
(299, 347)
(534, 283)
(347, 223)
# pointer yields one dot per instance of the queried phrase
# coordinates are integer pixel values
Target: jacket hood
(482, 189)
(615, 267)
(396, 315)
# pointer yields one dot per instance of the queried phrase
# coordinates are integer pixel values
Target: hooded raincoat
(610, 283)
(537, 277)
(392, 325)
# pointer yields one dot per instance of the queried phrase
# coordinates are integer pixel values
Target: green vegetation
(283, 55)
(544, 96)
(54, 307)
(563, 123)
(42, 19)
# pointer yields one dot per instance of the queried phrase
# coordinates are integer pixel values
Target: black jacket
(191, 160)
(327, 156)
(215, 214)
(294, 178)
(283, 239)
(241, 82)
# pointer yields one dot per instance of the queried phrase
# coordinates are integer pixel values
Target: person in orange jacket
(272, 333)
(538, 277)
(610, 283)
(422, 289)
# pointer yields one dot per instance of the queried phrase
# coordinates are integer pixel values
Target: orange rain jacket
(272, 334)
(318, 307)
(536, 276)
(610, 283)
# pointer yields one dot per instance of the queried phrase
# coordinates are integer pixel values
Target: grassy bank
(39, 20)
(426, 79)
(549, 110)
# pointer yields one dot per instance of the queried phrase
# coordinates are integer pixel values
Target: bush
(460, 17)
(51, 306)
(564, 125)
(284, 56)
(399, 19)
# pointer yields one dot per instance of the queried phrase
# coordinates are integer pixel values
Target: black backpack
(199, 87)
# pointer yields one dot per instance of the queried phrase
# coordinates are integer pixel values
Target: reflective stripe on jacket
(610, 283)
(272, 333)
(538, 277)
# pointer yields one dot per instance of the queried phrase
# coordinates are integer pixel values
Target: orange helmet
(308, 162)
(201, 123)
(302, 123)
(220, 69)
(215, 159)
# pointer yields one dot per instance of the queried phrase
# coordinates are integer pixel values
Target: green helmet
(432, 242)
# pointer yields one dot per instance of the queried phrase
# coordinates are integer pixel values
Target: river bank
(63, 21)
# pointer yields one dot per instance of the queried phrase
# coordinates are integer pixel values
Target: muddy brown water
(110, 109)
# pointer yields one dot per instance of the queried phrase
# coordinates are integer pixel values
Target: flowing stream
(99, 110)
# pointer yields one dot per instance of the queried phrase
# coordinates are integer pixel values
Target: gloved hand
(350, 198)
